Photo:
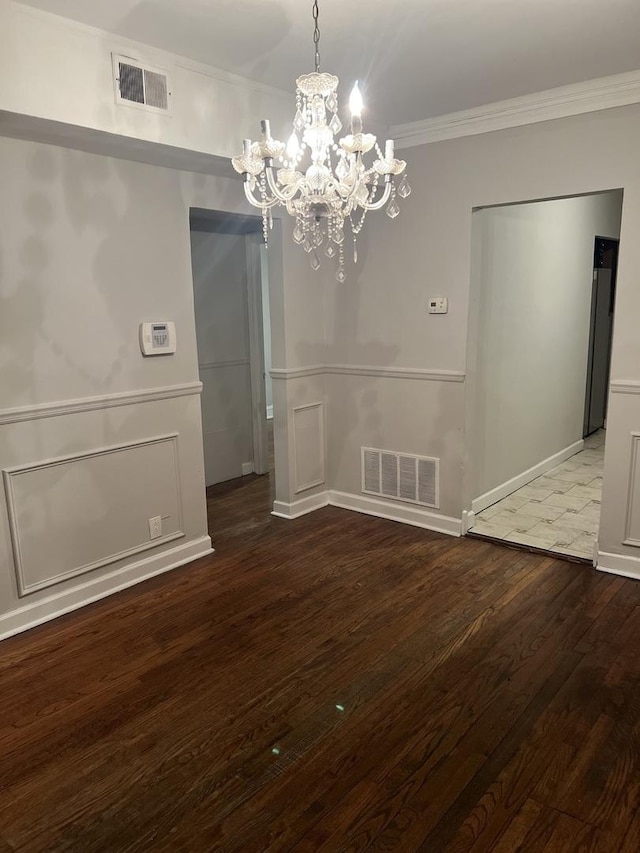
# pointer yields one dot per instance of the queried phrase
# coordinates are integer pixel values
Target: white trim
(602, 93)
(500, 492)
(368, 370)
(619, 564)
(303, 487)
(395, 372)
(625, 386)
(253, 292)
(468, 520)
(45, 609)
(103, 401)
(269, 413)
(633, 474)
(215, 365)
(392, 511)
(247, 468)
(10, 473)
(297, 372)
(396, 511)
(301, 507)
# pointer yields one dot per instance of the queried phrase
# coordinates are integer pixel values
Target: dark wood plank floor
(335, 683)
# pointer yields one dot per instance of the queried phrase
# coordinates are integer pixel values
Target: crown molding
(618, 90)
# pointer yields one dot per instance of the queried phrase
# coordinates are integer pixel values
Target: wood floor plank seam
(337, 682)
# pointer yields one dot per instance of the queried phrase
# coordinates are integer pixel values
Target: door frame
(256, 352)
(473, 343)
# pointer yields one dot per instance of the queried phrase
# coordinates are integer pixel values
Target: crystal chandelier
(323, 184)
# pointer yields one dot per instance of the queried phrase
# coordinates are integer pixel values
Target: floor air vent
(400, 476)
(139, 86)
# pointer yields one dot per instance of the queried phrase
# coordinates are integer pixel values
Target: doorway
(231, 293)
(541, 336)
(605, 266)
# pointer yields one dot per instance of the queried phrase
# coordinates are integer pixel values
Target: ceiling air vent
(400, 476)
(140, 86)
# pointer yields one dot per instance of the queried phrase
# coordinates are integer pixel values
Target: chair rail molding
(381, 371)
(102, 401)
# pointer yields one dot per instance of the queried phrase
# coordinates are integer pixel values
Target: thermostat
(157, 338)
(438, 305)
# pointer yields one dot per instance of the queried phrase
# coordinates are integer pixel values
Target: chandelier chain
(316, 33)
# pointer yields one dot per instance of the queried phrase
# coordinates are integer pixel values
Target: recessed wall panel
(73, 514)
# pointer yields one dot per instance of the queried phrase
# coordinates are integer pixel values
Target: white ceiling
(416, 58)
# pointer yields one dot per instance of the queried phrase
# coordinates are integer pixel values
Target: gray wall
(219, 266)
(534, 280)
(90, 247)
(379, 317)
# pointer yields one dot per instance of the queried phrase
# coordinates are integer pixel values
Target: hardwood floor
(335, 683)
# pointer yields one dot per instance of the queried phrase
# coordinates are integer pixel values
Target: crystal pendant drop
(340, 275)
(338, 236)
(317, 237)
(270, 220)
(298, 235)
(342, 169)
(315, 261)
(392, 209)
(306, 245)
(329, 251)
(404, 189)
(355, 251)
(298, 122)
(332, 102)
(335, 125)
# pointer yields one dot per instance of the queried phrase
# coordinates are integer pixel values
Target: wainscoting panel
(73, 514)
(309, 446)
(632, 529)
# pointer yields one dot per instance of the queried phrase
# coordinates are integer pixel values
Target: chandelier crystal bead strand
(323, 184)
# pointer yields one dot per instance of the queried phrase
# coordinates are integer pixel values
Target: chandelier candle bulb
(324, 200)
(355, 105)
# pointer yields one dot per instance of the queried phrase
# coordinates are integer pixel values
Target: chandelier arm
(345, 191)
(384, 198)
(282, 195)
(256, 202)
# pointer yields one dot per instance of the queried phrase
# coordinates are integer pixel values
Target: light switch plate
(438, 305)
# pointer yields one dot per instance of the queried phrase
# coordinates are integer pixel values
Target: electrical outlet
(155, 527)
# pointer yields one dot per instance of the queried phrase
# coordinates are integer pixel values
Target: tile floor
(559, 511)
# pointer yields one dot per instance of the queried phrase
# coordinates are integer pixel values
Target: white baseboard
(397, 512)
(247, 468)
(502, 491)
(619, 564)
(301, 507)
(468, 520)
(45, 609)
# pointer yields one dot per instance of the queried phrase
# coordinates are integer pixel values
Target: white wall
(219, 266)
(56, 69)
(89, 248)
(379, 317)
(534, 281)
